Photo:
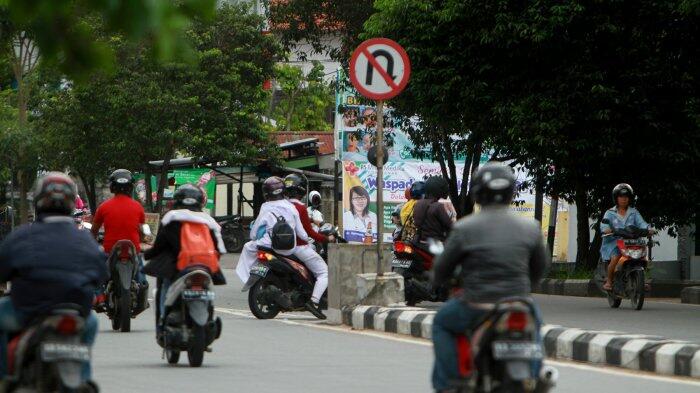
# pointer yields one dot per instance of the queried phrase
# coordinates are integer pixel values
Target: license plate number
(58, 351)
(508, 350)
(259, 270)
(402, 263)
(190, 294)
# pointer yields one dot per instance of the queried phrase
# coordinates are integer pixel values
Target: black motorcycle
(280, 283)
(188, 323)
(125, 297)
(629, 279)
(415, 264)
(232, 232)
(49, 355)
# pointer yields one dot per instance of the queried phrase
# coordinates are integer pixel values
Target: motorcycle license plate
(259, 270)
(190, 294)
(515, 350)
(402, 263)
(51, 352)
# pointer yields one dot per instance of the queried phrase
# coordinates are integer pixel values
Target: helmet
(623, 189)
(315, 199)
(189, 196)
(295, 185)
(397, 210)
(493, 183)
(273, 188)
(436, 187)
(55, 194)
(121, 181)
(417, 190)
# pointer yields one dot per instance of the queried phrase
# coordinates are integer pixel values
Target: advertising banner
(201, 177)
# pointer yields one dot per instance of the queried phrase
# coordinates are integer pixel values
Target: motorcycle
(629, 279)
(49, 355)
(80, 222)
(281, 283)
(415, 264)
(232, 232)
(327, 230)
(188, 323)
(125, 297)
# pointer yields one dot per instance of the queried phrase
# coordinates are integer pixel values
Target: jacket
(609, 243)
(432, 220)
(306, 224)
(501, 255)
(51, 262)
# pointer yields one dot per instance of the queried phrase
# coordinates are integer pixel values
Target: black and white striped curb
(633, 351)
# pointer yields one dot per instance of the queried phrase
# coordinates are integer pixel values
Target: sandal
(607, 287)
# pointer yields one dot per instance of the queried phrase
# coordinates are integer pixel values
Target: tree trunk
(23, 191)
(149, 187)
(452, 169)
(91, 190)
(539, 200)
(468, 203)
(583, 231)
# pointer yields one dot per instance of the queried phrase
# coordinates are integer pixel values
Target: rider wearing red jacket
(295, 189)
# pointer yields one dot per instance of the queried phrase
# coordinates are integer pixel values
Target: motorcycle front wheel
(637, 282)
(173, 356)
(195, 352)
(259, 306)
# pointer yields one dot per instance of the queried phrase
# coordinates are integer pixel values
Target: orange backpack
(197, 247)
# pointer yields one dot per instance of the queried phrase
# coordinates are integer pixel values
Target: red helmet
(55, 193)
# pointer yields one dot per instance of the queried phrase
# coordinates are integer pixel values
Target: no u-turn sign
(379, 68)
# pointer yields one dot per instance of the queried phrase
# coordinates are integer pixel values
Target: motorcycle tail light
(402, 247)
(197, 281)
(264, 257)
(67, 325)
(517, 321)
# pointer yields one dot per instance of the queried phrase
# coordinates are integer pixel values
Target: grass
(576, 274)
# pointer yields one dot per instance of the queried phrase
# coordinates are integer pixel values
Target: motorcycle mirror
(146, 230)
(435, 247)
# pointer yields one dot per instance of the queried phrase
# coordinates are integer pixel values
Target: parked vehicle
(415, 264)
(49, 356)
(188, 323)
(629, 280)
(232, 232)
(280, 283)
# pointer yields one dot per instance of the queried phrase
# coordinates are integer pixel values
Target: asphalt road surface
(297, 353)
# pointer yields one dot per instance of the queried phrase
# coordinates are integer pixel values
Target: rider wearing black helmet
(48, 263)
(167, 250)
(430, 216)
(623, 214)
(501, 255)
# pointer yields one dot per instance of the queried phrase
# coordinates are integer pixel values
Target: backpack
(283, 236)
(197, 247)
(408, 233)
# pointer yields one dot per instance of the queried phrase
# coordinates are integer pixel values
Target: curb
(690, 295)
(588, 288)
(632, 351)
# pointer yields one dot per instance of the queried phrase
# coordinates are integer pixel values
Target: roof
(326, 139)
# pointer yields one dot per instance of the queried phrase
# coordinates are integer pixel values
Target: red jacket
(306, 223)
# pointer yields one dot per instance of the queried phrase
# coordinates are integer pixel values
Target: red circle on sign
(362, 50)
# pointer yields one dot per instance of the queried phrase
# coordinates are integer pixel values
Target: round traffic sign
(379, 68)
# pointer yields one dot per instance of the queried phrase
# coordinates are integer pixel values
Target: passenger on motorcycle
(417, 191)
(295, 188)
(623, 214)
(501, 255)
(122, 218)
(430, 216)
(314, 210)
(166, 256)
(49, 262)
(276, 205)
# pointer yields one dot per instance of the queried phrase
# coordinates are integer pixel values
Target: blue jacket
(633, 217)
(51, 262)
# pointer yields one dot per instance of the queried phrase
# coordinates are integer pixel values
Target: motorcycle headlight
(637, 253)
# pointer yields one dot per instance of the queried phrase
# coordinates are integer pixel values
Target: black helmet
(273, 188)
(55, 194)
(417, 190)
(189, 196)
(295, 186)
(436, 187)
(121, 181)
(493, 183)
(315, 199)
(623, 189)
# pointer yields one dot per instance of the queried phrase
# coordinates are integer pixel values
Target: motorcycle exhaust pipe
(548, 377)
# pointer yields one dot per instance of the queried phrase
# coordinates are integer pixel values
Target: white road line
(426, 343)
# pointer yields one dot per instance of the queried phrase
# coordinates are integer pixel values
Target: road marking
(680, 380)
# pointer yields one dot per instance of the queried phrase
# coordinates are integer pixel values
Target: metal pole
(380, 185)
(336, 190)
(551, 231)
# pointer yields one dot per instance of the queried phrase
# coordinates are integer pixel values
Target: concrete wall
(222, 197)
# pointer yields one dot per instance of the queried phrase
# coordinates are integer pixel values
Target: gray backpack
(282, 235)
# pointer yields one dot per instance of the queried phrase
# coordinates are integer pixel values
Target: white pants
(318, 267)
(249, 254)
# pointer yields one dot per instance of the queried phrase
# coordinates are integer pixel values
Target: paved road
(296, 353)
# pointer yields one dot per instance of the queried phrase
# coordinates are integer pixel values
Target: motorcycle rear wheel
(637, 298)
(195, 352)
(125, 312)
(233, 239)
(260, 308)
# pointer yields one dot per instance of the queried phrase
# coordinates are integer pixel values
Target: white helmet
(315, 199)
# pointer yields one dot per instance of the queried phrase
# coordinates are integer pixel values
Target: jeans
(12, 320)
(164, 285)
(455, 318)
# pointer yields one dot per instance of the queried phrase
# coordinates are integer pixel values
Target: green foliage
(305, 99)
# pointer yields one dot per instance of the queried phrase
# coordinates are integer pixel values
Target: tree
(305, 99)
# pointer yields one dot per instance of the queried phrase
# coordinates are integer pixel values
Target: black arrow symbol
(389, 65)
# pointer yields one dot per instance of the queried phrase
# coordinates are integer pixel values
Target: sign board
(379, 69)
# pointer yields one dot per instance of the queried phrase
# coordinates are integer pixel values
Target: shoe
(100, 303)
(314, 309)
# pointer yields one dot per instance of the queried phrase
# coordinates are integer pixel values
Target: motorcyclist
(314, 210)
(501, 255)
(417, 191)
(49, 262)
(122, 218)
(431, 218)
(295, 188)
(166, 251)
(623, 214)
(276, 205)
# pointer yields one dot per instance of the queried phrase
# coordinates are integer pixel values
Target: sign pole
(380, 185)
